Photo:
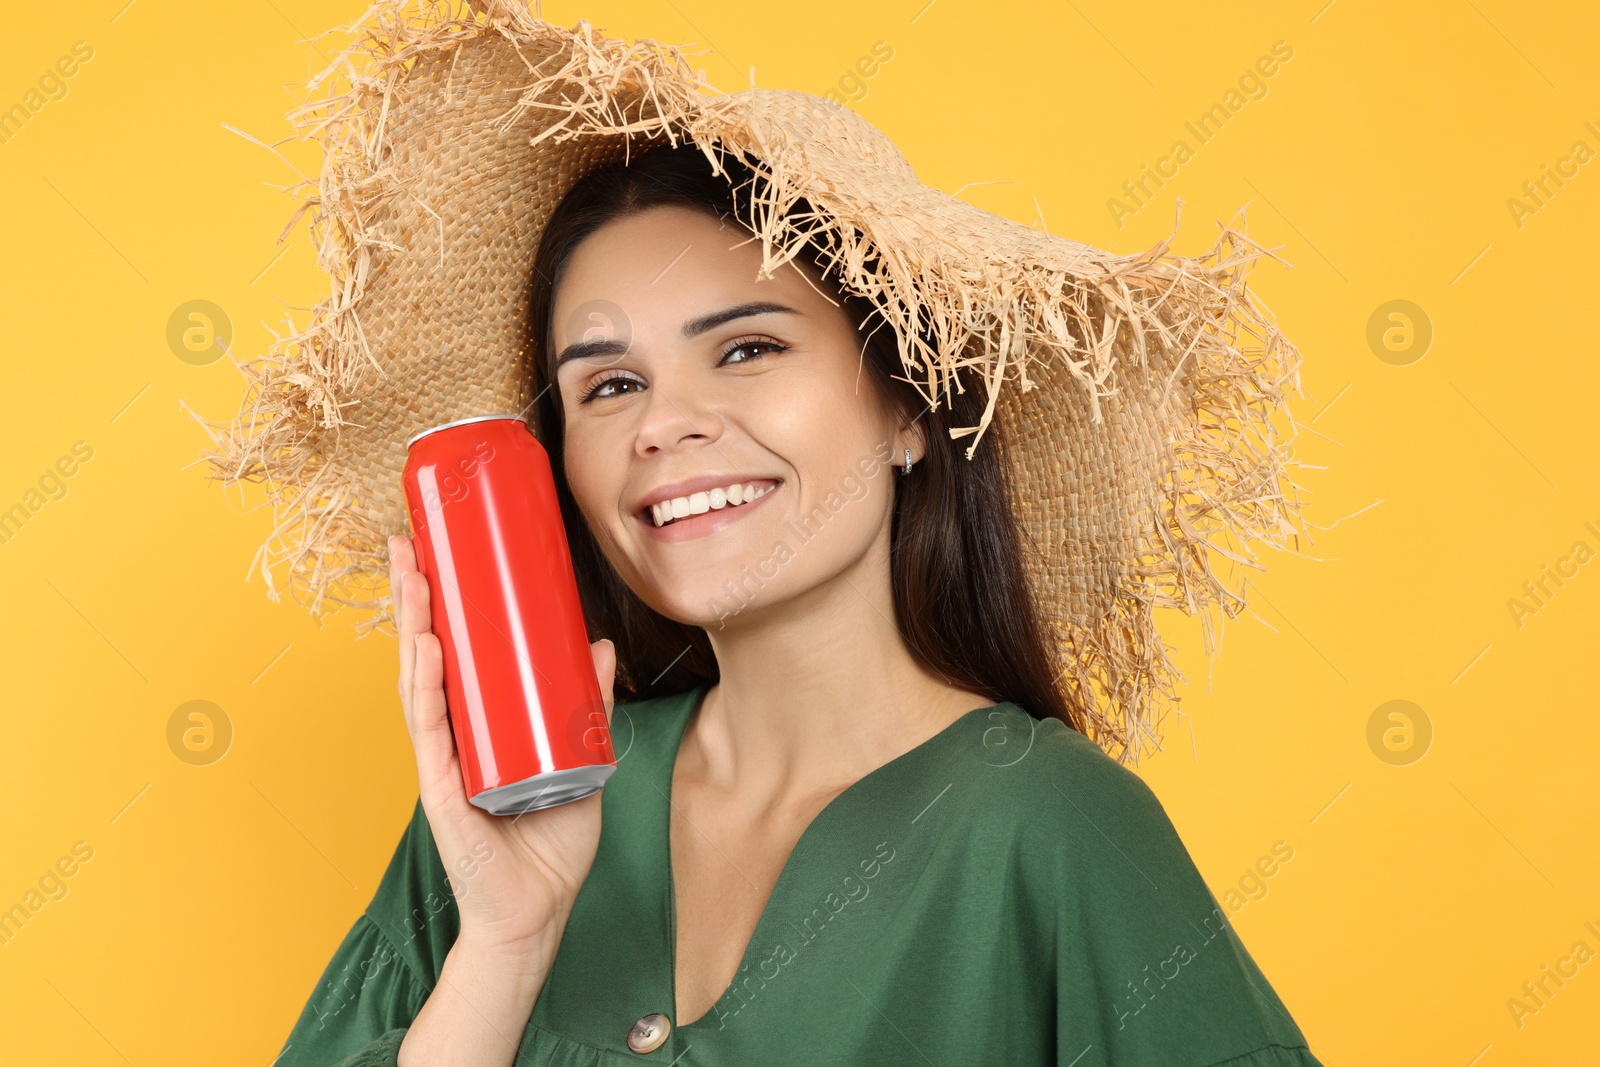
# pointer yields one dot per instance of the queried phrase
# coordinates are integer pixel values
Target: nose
(676, 414)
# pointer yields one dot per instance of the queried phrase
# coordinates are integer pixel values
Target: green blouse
(1004, 893)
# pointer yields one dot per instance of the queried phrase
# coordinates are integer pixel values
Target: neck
(815, 692)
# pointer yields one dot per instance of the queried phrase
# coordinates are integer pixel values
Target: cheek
(825, 422)
(593, 476)
(837, 451)
(828, 426)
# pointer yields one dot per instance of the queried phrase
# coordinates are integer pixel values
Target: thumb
(604, 652)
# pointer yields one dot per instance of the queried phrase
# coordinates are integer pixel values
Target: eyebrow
(696, 327)
(692, 328)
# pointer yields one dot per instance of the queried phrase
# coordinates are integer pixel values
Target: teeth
(679, 507)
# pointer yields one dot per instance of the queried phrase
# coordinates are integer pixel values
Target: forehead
(672, 263)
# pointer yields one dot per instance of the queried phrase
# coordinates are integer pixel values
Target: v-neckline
(696, 698)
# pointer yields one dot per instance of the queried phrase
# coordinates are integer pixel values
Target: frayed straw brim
(1135, 396)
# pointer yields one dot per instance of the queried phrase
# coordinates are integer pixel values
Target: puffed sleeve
(383, 971)
(1149, 969)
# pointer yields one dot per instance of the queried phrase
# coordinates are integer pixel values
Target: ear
(913, 435)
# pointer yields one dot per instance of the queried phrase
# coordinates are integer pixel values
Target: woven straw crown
(1133, 397)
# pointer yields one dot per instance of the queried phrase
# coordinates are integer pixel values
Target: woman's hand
(514, 877)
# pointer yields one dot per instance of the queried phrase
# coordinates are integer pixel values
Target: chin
(706, 602)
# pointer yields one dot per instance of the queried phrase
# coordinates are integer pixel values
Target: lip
(692, 527)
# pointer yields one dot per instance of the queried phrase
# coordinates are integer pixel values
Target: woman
(870, 831)
(872, 497)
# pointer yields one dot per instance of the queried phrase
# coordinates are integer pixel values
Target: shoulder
(1099, 868)
(650, 724)
(1053, 781)
(644, 739)
(1069, 818)
(414, 908)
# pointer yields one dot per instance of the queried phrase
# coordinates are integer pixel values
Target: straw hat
(1135, 396)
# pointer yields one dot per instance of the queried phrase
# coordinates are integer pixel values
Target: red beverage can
(524, 704)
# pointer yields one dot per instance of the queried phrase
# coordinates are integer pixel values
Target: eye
(602, 388)
(753, 347)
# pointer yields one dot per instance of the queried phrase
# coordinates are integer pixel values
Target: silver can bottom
(544, 790)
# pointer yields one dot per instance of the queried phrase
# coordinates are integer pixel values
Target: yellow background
(1419, 898)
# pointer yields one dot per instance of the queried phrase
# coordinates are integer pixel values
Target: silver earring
(907, 468)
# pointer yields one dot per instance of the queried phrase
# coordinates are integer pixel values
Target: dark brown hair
(960, 592)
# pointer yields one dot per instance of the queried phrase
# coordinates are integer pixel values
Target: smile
(666, 512)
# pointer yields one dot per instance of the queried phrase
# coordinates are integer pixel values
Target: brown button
(648, 1033)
